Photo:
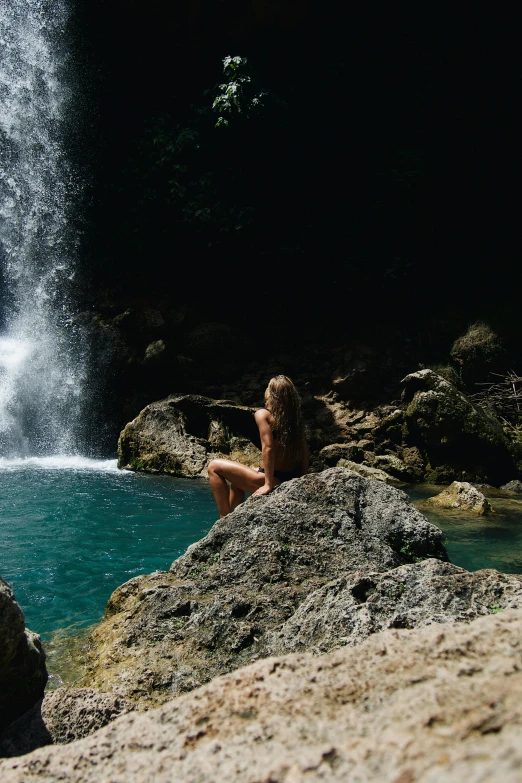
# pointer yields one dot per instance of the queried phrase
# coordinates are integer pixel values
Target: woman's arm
(262, 417)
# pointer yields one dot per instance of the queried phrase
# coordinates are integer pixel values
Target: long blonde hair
(282, 400)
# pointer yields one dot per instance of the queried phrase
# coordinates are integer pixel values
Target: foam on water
(62, 462)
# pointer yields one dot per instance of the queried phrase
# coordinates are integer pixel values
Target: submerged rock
(23, 675)
(464, 496)
(167, 633)
(181, 434)
(457, 438)
(351, 608)
(438, 704)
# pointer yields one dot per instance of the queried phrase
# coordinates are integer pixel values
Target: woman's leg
(236, 497)
(242, 479)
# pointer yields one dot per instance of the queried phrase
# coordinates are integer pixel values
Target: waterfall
(41, 352)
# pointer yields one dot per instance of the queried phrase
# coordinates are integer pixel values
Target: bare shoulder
(263, 417)
(262, 414)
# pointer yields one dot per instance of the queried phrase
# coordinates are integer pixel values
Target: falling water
(40, 352)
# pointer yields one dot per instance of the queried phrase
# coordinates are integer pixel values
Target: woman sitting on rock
(284, 450)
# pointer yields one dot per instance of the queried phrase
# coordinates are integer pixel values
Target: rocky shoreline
(326, 562)
(441, 704)
(435, 433)
(337, 567)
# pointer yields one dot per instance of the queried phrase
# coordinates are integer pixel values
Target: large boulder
(441, 704)
(167, 633)
(181, 434)
(64, 715)
(349, 609)
(458, 439)
(23, 675)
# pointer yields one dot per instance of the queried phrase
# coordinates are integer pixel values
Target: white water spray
(41, 359)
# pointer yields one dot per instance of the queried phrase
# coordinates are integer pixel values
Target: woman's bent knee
(217, 465)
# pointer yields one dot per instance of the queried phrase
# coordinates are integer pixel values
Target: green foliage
(236, 97)
(397, 591)
(177, 187)
(408, 552)
(495, 609)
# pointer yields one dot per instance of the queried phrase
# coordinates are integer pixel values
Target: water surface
(473, 542)
(72, 530)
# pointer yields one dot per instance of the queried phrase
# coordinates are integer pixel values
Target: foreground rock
(64, 715)
(181, 434)
(463, 496)
(457, 438)
(22, 661)
(167, 633)
(351, 608)
(439, 705)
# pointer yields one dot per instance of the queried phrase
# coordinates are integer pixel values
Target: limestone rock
(330, 455)
(394, 466)
(64, 715)
(181, 434)
(155, 351)
(167, 633)
(458, 438)
(463, 496)
(513, 486)
(22, 661)
(367, 471)
(436, 705)
(349, 609)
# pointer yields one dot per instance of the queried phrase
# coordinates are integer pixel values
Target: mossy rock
(478, 352)
(456, 438)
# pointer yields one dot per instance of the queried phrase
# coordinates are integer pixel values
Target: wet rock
(63, 716)
(181, 434)
(167, 633)
(351, 608)
(458, 439)
(463, 496)
(441, 703)
(513, 486)
(23, 675)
